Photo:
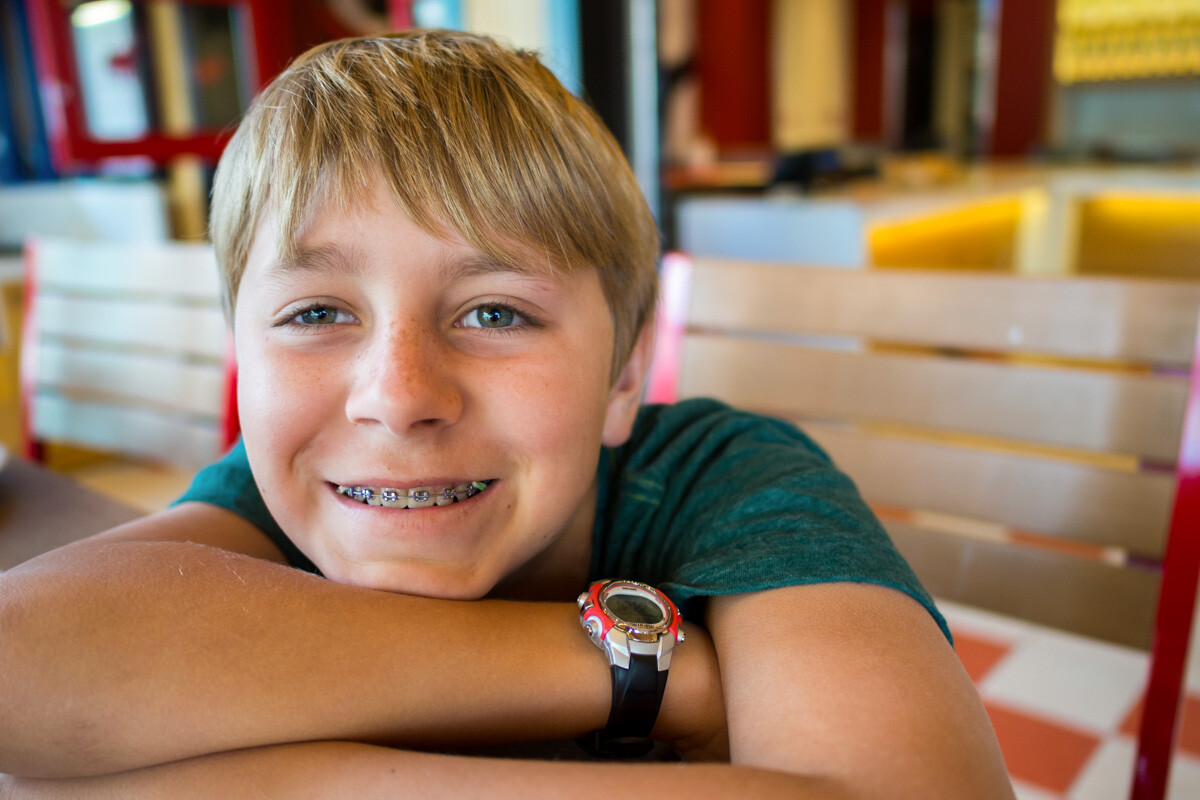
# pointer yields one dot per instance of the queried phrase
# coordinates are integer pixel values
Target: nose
(404, 381)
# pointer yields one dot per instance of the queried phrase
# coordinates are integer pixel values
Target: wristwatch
(637, 627)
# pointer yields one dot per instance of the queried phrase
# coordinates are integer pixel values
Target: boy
(441, 277)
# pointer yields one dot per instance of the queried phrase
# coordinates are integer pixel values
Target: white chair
(125, 349)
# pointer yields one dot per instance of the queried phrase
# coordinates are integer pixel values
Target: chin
(432, 582)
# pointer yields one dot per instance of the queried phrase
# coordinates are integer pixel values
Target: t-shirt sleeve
(706, 500)
(229, 484)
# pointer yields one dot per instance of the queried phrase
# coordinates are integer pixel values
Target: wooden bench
(1032, 445)
(125, 349)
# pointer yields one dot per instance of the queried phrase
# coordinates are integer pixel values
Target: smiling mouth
(417, 497)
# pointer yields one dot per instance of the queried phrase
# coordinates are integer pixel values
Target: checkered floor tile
(1065, 709)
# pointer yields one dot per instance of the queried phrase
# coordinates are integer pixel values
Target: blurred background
(1038, 136)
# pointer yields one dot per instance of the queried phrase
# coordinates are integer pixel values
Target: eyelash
(522, 319)
(291, 317)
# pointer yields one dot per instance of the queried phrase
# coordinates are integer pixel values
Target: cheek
(258, 391)
(278, 397)
(560, 413)
(278, 420)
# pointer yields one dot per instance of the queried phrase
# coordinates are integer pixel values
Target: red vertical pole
(732, 66)
(1023, 74)
(400, 14)
(870, 38)
(31, 445)
(662, 381)
(1176, 605)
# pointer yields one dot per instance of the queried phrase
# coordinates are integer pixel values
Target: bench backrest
(125, 349)
(1019, 437)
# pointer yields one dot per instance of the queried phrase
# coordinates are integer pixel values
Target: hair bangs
(470, 137)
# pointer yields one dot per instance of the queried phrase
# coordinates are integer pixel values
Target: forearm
(342, 769)
(155, 652)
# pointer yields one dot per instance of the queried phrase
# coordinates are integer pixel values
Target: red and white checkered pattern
(1065, 709)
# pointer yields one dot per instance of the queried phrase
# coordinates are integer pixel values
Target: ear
(626, 394)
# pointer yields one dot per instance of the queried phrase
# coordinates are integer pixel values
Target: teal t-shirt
(703, 500)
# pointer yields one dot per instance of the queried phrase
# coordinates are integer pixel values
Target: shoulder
(709, 423)
(706, 500)
(701, 439)
(229, 484)
(706, 457)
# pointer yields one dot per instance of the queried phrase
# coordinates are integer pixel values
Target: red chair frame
(72, 148)
(1176, 607)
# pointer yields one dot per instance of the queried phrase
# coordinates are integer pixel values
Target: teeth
(416, 497)
(391, 498)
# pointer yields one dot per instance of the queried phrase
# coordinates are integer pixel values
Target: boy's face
(386, 359)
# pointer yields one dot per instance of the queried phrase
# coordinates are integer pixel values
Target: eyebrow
(477, 263)
(338, 259)
(325, 259)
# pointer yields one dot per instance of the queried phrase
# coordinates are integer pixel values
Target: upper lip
(391, 483)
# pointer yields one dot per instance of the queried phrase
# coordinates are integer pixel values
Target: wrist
(692, 717)
(636, 627)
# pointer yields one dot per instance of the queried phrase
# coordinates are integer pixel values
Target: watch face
(635, 609)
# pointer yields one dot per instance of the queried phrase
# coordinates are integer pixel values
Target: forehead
(347, 259)
(327, 233)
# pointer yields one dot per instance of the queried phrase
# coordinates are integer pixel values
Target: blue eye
(318, 315)
(491, 316)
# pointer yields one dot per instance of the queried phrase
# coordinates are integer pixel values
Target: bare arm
(849, 691)
(342, 769)
(830, 689)
(854, 685)
(119, 653)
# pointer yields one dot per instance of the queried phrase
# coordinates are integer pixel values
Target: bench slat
(1101, 318)
(1139, 415)
(173, 269)
(189, 387)
(198, 331)
(137, 432)
(1049, 588)
(1082, 503)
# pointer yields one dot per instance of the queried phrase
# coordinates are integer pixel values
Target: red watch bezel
(591, 607)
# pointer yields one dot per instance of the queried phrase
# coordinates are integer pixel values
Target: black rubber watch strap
(637, 695)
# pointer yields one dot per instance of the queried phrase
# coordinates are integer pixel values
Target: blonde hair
(469, 135)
